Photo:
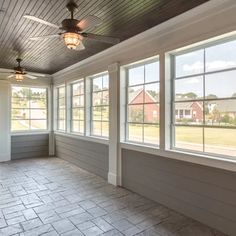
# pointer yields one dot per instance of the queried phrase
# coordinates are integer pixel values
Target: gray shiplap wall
(203, 193)
(90, 156)
(32, 145)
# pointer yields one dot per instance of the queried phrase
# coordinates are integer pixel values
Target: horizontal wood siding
(203, 193)
(90, 156)
(27, 146)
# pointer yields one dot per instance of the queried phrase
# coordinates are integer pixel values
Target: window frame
(84, 107)
(58, 109)
(204, 100)
(126, 132)
(15, 132)
(92, 106)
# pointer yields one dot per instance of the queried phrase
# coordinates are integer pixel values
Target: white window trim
(124, 101)
(85, 138)
(71, 107)
(191, 48)
(87, 110)
(29, 133)
(164, 151)
(211, 161)
(89, 105)
(49, 115)
(56, 104)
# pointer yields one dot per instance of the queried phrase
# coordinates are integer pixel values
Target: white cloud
(216, 65)
(196, 67)
(193, 81)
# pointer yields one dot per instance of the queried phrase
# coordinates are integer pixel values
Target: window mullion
(142, 109)
(204, 97)
(214, 115)
(26, 109)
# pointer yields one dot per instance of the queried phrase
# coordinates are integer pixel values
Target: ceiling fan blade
(36, 74)
(34, 18)
(101, 38)
(45, 37)
(10, 76)
(8, 71)
(30, 76)
(89, 22)
(5, 72)
(80, 47)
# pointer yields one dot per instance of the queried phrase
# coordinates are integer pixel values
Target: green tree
(215, 115)
(190, 95)
(225, 119)
(154, 94)
(211, 96)
(136, 115)
(234, 121)
(24, 92)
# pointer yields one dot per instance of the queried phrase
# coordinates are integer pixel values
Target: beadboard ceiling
(120, 18)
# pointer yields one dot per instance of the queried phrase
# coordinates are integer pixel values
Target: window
(142, 116)
(77, 112)
(204, 87)
(61, 109)
(29, 109)
(100, 106)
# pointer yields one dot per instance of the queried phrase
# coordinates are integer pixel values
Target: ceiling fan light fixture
(19, 77)
(72, 40)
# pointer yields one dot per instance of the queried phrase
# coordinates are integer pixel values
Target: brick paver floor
(49, 196)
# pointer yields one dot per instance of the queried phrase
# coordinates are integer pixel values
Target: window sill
(210, 161)
(82, 137)
(29, 133)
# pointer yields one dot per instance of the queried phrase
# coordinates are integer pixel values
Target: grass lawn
(17, 125)
(216, 140)
(213, 136)
(21, 125)
(151, 133)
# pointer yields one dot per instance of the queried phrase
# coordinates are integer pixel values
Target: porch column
(5, 135)
(114, 173)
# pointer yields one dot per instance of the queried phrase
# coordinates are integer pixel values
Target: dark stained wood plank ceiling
(120, 18)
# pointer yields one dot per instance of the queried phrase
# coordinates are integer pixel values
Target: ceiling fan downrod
(71, 7)
(19, 61)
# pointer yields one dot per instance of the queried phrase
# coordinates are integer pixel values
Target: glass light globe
(19, 77)
(72, 40)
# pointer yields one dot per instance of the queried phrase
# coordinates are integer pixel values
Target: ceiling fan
(73, 30)
(19, 72)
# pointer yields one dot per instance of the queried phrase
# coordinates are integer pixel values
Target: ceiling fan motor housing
(70, 25)
(19, 69)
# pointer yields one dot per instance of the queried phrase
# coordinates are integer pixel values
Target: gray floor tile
(63, 226)
(50, 197)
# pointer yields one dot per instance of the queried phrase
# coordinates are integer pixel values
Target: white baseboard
(5, 157)
(112, 178)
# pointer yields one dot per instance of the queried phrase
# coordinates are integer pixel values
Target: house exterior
(224, 107)
(217, 111)
(100, 98)
(189, 110)
(151, 109)
(221, 112)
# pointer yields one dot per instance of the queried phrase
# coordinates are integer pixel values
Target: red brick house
(151, 110)
(189, 110)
